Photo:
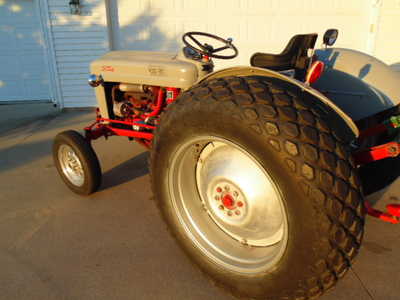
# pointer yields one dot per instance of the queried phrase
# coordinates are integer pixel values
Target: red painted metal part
(103, 127)
(134, 122)
(315, 71)
(391, 216)
(390, 124)
(391, 149)
(131, 133)
(97, 130)
(159, 104)
(393, 209)
(228, 201)
(172, 94)
(381, 128)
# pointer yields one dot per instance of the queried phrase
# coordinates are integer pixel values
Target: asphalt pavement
(113, 244)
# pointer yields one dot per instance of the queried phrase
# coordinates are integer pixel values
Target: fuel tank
(358, 83)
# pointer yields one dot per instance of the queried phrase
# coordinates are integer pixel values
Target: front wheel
(76, 162)
(257, 189)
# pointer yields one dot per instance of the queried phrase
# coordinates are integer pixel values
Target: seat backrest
(294, 56)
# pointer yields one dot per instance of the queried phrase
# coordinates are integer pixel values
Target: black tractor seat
(294, 56)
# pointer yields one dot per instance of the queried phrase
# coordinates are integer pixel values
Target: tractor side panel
(359, 84)
(102, 101)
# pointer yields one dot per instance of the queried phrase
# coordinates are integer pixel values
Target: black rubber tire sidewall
(87, 157)
(310, 257)
(300, 232)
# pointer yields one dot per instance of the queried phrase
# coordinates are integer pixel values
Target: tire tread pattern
(89, 160)
(312, 150)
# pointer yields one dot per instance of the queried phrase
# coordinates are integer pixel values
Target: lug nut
(216, 197)
(240, 204)
(221, 207)
(227, 188)
(235, 193)
(237, 212)
(219, 190)
(229, 213)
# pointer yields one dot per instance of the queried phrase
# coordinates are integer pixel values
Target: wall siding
(256, 25)
(77, 40)
(387, 46)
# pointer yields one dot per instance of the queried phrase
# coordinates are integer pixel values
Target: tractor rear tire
(258, 188)
(76, 162)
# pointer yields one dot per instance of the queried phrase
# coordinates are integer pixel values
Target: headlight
(95, 80)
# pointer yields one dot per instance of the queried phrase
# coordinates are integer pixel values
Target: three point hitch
(391, 149)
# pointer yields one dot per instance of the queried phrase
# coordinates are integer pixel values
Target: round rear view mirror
(330, 36)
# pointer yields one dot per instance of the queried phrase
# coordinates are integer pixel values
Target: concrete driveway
(113, 244)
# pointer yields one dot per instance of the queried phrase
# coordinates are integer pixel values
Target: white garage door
(255, 25)
(23, 71)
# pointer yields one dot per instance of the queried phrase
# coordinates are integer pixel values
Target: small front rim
(71, 165)
(228, 204)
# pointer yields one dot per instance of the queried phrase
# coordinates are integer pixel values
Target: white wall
(387, 46)
(255, 25)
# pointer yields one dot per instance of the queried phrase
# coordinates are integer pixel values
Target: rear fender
(358, 83)
(331, 112)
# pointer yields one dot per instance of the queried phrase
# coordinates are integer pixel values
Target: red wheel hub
(228, 201)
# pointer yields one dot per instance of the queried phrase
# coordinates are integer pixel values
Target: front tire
(76, 162)
(249, 140)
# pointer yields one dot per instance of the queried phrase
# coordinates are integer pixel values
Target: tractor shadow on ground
(127, 171)
(380, 174)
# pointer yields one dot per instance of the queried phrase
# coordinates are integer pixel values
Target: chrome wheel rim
(70, 164)
(229, 206)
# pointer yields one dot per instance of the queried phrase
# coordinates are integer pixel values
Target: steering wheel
(207, 49)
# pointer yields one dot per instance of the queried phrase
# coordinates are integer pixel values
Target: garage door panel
(31, 71)
(27, 38)
(29, 66)
(23, 69)
(10, 89)
(8, 40)
(32, 57)
(9, 66)
(38, 88)
(21, 10)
